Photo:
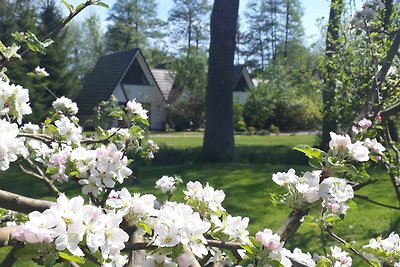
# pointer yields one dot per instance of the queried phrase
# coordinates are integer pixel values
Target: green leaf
(248, 248)
(52, 170)
(102, 4)
(310, 151)
(73, 258)
(26, 253)
(50, 259)
(315, 163)
(68, 5)
(145, 227)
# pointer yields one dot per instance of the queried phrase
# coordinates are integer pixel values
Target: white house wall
(240, 97)
(145, 94)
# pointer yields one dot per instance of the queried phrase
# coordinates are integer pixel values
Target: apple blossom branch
(4, 62)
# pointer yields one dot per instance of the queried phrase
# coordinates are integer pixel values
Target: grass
(247, 186)
(186, 148)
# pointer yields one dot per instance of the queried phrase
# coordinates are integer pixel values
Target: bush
(185, 115)
(296, 115)
(238, 121)
(259, 107)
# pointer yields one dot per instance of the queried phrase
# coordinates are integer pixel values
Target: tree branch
(381, 75)
(375, 202)
(41, 176)
(22, 204)
(344, 242)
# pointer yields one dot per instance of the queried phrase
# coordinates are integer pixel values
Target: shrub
(185, 115)
(259, 107)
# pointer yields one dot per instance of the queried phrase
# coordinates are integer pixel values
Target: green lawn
(247, 185)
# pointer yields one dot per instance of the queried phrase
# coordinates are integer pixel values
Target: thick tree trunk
(219, 143)
(328, 94)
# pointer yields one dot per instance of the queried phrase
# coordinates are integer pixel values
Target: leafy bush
(259, 107)
(296, 115)
(185, 115)
(238, 121)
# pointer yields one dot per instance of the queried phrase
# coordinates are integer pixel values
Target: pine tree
(188, 20)
(62, 81)
(133, 23)
(270, 24)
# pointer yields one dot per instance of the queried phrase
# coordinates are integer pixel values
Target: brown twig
(41, 176)
(375, 202)
(344, 242)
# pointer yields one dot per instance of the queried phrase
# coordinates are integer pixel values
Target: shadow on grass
(275, 154)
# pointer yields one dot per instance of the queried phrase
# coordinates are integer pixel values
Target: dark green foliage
(39, 18)
(259, 107)
(190, 76)
(238, 121)
(62, 81)
(289, 98)
(189, 21)
(132, 24)
(185, 114)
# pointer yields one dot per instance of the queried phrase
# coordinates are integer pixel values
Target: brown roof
(164, 80)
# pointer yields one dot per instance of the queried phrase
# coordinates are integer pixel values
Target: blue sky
(313, 10)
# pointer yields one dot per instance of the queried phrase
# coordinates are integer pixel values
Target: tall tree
(219, 143)
(189, 21)
(132, 24)
(62, 81)
(329, 123)
(271, 23)
(86, 45)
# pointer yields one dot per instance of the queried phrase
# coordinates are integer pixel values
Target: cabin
(126, 75)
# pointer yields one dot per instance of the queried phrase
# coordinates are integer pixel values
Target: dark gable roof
(105, 76)
(238, 71)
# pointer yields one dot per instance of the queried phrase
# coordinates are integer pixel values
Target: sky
(313, 10)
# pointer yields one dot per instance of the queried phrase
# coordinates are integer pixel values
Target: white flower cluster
(178, 223)
(96, 168)
(235, 227)
(136, 109)
(367, 14)
(135, 209)
(11, 146)
(206, 200)
(361, 126)
(342, 147)
(390, 246)
(69, 222)
(334, 192)
(68, 130)
(340, 258)
(274, 246)
(65, 106)
(166, 184)
(14, 101)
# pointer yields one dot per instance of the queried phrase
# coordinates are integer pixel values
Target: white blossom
(341, 257)
(68, 129)
(65, 105)
(14, 100)
(41, 72)
(137, 109)
(166, 184)
(11, 146)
